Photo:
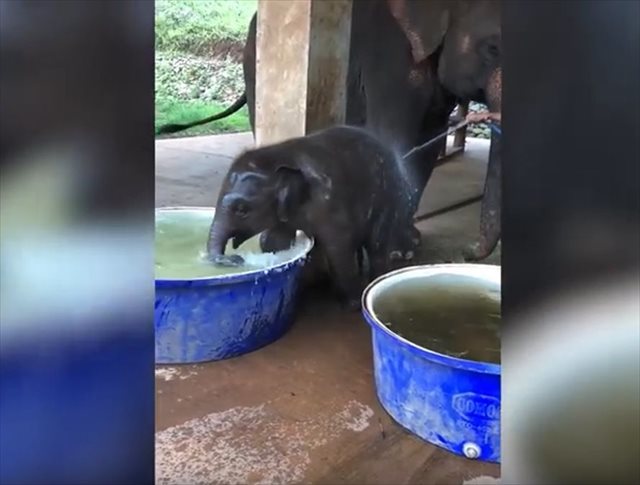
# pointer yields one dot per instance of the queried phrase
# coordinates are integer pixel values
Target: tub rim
(229, 278)
(431, 355)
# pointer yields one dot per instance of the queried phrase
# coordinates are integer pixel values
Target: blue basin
(215, 318)
(448, 401)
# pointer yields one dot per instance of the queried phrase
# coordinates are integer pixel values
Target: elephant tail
(174, 128)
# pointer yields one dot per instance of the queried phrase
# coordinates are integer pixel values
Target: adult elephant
(410, 62)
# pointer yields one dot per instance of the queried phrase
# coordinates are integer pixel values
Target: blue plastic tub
(207, 319)
(450, 402)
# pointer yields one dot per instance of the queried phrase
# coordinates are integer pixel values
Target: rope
(458, 205)
(450, 131)
(442, 135)
(452, 207)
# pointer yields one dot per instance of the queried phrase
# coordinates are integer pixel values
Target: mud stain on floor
(250, 445)
(485, 480)
(171, 373)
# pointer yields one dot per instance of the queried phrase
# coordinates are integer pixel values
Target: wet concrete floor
(302, 410)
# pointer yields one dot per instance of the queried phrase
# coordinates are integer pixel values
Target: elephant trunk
(218, 237)
(494, 91)
(219, 234)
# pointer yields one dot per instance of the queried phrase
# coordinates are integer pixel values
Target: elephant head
(257, 194)
(467, 35)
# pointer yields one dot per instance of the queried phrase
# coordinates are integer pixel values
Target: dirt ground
(302, 410)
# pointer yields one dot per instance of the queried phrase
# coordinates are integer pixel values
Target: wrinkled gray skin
(410, 61)
(340, 186)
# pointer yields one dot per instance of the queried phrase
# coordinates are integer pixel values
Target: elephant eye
(490, 48)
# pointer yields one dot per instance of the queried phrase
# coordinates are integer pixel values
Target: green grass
(194, 26)
(181, 111)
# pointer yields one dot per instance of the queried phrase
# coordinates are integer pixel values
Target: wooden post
(459, 137)
(302, 59)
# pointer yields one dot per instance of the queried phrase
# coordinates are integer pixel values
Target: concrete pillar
(302, 59)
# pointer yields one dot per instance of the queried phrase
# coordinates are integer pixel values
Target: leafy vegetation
(198, 54)
(198, 26)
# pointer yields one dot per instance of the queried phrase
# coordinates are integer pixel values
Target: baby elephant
(340, 186)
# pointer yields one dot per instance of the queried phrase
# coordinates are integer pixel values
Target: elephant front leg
(490, 228)
(360, 254)
(279, 238)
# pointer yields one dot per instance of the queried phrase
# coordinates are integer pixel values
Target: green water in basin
(180, 248)
(449, 314)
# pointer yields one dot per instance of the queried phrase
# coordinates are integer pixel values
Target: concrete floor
(302, 410)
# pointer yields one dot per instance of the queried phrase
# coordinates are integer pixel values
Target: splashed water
(409, 178)
(181, 238)
(402, 165)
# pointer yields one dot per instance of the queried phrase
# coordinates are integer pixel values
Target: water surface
(180, 248)
(450, 314)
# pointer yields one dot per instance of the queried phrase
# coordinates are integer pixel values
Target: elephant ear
(424, 23)
(296, 185)
(292, 190)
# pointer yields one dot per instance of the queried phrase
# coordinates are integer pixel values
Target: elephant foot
(228, 261)
(458, 259)
(476, 252)
(398, 259)
(350, 297)
(416, 237)
(352, 305)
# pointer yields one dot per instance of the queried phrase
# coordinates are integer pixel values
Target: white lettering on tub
(476, 406)
(483, 434)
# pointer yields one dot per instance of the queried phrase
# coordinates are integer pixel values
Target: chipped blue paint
(444, 400)
(217, 318)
